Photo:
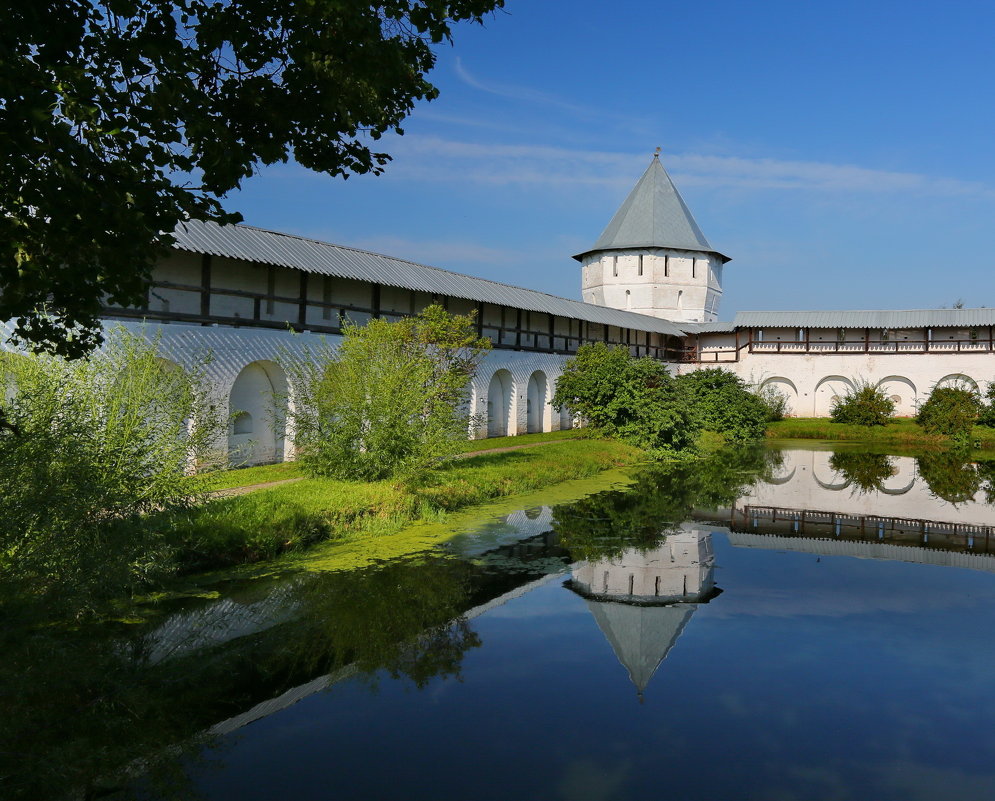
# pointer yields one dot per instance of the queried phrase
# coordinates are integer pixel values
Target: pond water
(768, 624)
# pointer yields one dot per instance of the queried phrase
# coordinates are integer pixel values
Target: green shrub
(634, 400)
(863, 405)
(775, 400)
(952, 411)
(90, 452)
(390, 401)
(724, 404)
(987, 415)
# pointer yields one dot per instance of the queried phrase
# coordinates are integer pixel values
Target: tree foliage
(391, 400)
(862, 405)
(724, 404)
(119, 119)
(952, 411)
(987, 414)
(92, 450)
(635, 400)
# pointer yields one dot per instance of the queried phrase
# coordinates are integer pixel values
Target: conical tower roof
(653, 215)
(641, 636)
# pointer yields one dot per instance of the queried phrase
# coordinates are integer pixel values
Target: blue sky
(842, 153)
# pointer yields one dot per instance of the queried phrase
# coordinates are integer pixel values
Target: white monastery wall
(245, 369)
(811, 380)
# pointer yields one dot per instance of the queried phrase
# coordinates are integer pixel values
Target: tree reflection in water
(602, 526)
(87, 707)
(866, 472)
(951, 475)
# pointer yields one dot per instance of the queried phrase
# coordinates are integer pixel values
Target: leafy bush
(863, 405)
(90, 452)
(723, 403)
(952, 411)
(775, 400)
(635, 400)
(987, 415)
(392, 400)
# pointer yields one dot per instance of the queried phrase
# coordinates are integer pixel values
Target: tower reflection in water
(643, 599)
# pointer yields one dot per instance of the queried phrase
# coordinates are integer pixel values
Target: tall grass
(89, 451)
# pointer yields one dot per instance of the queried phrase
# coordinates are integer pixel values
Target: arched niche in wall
(828, 388)
(784, 386)
(536, 397)
(500, 392)
(256, 405)
(958, 381)
(902, 391)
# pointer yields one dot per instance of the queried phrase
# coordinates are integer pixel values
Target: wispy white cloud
(434, 158)
(446, 253)
(520, 93)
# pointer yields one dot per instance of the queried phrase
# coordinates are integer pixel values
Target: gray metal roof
(708, 328)
(322, 258)
(653, 215)
(890, 319)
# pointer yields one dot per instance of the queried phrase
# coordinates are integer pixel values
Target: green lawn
(246, 476)
(897, 432)
(269, 522)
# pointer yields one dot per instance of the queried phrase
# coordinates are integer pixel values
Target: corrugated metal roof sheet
(708, 328)
(322, 258)
(653, 215)
(890, 319)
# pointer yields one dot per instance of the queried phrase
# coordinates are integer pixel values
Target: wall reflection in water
(936, 501)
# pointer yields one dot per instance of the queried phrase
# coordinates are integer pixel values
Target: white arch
(957, 380)
(828, 388)
(257, 404)
(902, 391)
(500, 393)
(536, 405)
(787, 387)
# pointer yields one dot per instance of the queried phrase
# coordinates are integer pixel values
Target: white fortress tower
(653, 258)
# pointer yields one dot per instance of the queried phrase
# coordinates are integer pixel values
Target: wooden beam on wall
(205, 285)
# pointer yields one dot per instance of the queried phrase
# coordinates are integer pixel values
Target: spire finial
(656, 153)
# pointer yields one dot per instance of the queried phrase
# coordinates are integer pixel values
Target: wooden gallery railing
(333, 315)
(981, 341)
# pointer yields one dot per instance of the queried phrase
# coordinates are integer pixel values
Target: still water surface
(772, 624)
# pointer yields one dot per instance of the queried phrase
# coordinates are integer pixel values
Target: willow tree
(121, 118)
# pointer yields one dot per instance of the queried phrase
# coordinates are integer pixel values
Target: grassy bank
(269, 522)
(905, 433)
(247, 476)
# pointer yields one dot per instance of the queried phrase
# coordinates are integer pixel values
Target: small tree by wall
(635, 400)
(392, 400)
(951, 411)
(864, 405)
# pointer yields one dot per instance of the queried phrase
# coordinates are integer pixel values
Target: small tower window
(640, 263)
(615, 265)
(694, 268)
(666, 266)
